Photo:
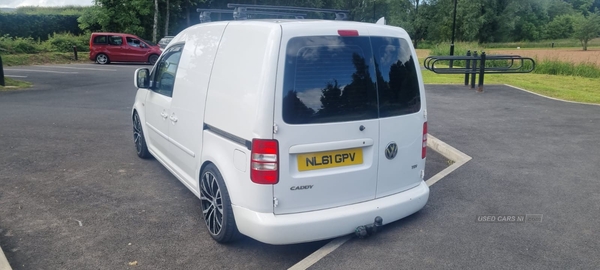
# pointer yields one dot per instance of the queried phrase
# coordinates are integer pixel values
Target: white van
(288, 131)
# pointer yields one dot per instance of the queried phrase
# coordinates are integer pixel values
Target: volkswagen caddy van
(288, 131)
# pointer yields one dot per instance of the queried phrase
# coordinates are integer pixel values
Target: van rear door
(326, 119)
(401, 113)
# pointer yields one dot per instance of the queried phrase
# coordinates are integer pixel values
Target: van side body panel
(189, 97)
(240, 100)
(240, 103)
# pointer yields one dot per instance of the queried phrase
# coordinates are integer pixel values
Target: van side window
(329, 79)
(100, 40)
(115, 40)
(165, 70)
(397, 81)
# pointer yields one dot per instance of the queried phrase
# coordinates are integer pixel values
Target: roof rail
(205, 14)
(242, 11)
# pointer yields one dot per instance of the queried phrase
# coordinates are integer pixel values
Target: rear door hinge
(275, 202)
(275, 128)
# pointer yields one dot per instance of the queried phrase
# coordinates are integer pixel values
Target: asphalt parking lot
(74, 195)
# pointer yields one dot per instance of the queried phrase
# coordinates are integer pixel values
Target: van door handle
(173, 118)
(164, 115)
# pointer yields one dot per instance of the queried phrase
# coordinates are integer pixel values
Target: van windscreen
(337, 79)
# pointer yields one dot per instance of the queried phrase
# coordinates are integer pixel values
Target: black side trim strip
(228, 136)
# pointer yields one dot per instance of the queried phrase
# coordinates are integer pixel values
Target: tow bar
(369, 229)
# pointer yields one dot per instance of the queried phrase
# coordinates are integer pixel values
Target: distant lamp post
(453, 32)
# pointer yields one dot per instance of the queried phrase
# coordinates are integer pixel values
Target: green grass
(14, 84)
(555, 67)
(570, 88)
(43, 58)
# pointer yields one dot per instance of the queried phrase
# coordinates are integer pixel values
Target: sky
(44, 3)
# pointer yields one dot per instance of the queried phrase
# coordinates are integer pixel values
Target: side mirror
(141, 79)
(142, 45)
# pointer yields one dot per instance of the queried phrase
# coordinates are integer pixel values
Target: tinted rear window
(336, 79)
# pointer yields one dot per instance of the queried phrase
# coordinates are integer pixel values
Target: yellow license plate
(330, 159)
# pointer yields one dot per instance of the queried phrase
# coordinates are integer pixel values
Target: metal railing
(479, 64)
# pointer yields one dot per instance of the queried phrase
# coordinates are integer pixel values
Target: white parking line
(448, 152)
(44, 71)
(82, 68)
(319, 254)
(3, 261)
(435, 144)
(15, 76)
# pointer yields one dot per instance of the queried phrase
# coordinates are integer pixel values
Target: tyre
(216, 206)
(152, 59)
(139, 139)
(102, 59)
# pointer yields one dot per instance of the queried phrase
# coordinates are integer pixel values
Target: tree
(560, 27)
(582, 6)
(586, 28)
(118, 16)
(559, 7)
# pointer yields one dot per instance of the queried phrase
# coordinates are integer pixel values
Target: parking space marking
(435, 144)
(46, 71)
(15, 76)
(3, 261)
(320, 253)
(448, 152)
(81, 68)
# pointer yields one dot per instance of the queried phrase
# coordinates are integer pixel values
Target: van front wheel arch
(216, 206)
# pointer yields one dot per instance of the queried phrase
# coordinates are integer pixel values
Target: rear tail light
(424, 146)
(264, 163)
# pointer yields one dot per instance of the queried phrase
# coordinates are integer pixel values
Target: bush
(10, 45)
(55, 43)
(64, 42)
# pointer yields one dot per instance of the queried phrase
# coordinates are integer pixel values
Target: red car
(119, 47)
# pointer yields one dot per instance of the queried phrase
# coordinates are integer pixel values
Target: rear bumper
(328, 223)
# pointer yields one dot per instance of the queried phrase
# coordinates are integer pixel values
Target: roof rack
(205, 14)
(243, 12)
